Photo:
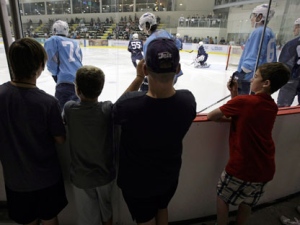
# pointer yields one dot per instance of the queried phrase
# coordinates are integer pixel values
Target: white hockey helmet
(178, 35)
(200, 43)
(297, 21)
(263, 10)
(135, 36)
(147, 17)
(60, 27)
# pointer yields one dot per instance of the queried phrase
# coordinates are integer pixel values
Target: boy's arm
(59, 139)
(217, 115)
(136, 83)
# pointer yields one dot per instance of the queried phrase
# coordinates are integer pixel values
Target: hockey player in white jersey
(64, 59)
(247, 62)
(135, 47)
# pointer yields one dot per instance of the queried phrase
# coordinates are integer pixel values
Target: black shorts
(144, 209)
(44, 204)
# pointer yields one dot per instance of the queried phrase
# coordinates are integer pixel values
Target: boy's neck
(87, 100)
(267, 92)
(161, 91)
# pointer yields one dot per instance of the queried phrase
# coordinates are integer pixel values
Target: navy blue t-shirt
(151, 140)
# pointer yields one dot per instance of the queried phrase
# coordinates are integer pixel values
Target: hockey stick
(214, 103)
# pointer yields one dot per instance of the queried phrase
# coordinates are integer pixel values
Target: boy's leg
(33, 223)
(151, 222)
(162, 217)
(243, 214)
(108, 222)
(53, 221)
(222, 211)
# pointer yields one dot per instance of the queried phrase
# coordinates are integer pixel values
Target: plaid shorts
(235, 191)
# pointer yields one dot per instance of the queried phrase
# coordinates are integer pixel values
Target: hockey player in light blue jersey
(179, 41)
(147, 23)
(247, 62)
(64, 59)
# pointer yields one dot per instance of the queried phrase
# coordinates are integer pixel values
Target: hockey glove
(239, 75)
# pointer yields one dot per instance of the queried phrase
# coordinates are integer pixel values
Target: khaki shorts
(94, 205)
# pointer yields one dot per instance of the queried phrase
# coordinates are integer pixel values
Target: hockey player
(178, 41)
(290, 55)
(64, 59)
(148, 24)
(135, 46)
(247, 62)
(202, 56)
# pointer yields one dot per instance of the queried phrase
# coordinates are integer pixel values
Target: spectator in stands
(206, 40)
(222, 41)
(158, 20)
(181, 20)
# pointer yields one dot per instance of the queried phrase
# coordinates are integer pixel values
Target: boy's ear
(267, 83)
(77, 90)
(178, 68)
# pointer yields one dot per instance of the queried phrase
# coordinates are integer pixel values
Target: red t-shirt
(252, 150)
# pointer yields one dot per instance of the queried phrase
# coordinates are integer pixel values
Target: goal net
(233, 58)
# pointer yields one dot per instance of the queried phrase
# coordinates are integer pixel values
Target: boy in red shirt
(251, 161)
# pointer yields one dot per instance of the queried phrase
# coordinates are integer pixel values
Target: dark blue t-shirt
(151, 140)
(29, 120)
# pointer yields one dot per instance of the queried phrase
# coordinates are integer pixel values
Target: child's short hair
(278, 74)
(90, 81)
(26, 55)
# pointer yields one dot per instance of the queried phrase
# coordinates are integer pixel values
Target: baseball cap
(162, 55)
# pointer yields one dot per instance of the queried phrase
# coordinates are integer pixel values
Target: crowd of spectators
(93, 29)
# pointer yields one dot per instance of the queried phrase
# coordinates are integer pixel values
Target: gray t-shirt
(90, 133)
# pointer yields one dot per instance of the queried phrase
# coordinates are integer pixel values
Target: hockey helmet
(263, 10)
(178, 35)
(135, 36)
(200, 43)
(60, 27)
(297, 21)
(147, 18)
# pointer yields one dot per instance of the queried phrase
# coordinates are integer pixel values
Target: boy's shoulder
(130, 96)
(105, 106)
